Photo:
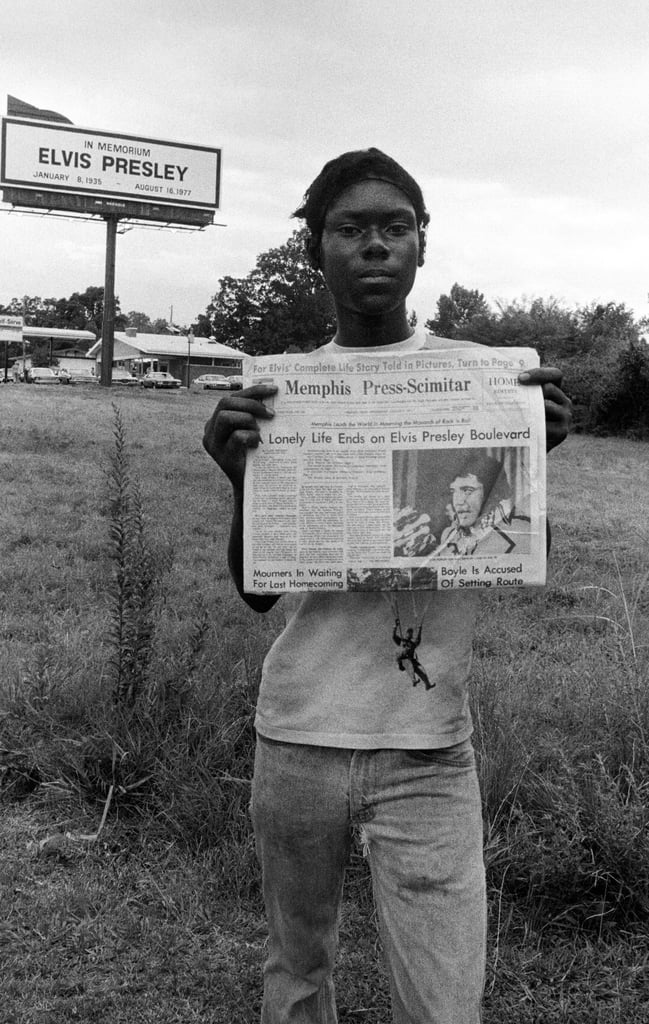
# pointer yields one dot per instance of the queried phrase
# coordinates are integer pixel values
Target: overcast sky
(525, 122)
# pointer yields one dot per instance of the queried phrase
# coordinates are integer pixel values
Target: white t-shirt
(334, 676)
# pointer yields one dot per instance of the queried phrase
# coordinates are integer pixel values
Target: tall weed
(155, 719)
(134, 589)
(562, 743)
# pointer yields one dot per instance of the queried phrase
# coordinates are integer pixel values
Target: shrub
(610, 391)
(563, 756)
(152, 718)
(626, 408)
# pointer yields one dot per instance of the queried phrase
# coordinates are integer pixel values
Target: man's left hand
(558, 407)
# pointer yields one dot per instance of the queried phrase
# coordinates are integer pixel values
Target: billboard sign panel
(66, 159)
(39, 199)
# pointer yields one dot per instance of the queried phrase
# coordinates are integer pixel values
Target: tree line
(81, 311)
(282, 305)
(599, 347)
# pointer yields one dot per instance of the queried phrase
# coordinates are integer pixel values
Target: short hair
(346, 170)
(491, 474)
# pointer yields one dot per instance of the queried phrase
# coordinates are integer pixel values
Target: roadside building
(61, 340)
(184, 358)
(66, 348)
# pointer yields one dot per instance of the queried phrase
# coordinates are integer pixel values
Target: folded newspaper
(423, 471)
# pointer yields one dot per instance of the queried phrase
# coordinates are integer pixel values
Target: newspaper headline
(418, 471)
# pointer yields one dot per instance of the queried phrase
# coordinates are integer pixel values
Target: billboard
(64, 159)
(38, 199)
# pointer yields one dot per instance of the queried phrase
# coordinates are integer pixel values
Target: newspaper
(418, 471)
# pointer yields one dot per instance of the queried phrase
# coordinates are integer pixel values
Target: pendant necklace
(408, 638)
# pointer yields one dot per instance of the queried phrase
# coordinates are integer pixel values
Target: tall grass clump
(155, 725)
(138, 569)
(563, 746)
(177, 740)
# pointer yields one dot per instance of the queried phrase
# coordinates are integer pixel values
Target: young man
(341, 741)
(485, 518)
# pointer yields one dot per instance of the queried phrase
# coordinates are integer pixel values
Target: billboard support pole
(23, 333)
(108, 324)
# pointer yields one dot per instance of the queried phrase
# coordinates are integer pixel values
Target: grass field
(127, 873)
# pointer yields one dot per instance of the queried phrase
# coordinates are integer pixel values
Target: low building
(70, 338)
(177, 354)
(67, 348)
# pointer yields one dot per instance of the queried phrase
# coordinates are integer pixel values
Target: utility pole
(24, 322)
(108, 325)
(190, 338)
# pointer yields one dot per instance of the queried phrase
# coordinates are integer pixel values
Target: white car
(212, 382)
(44, 375)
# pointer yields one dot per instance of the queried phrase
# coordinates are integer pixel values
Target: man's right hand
(233, 429)
(412, 534)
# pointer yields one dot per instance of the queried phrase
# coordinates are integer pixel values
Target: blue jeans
(421, 817)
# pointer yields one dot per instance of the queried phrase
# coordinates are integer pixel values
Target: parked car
(159, 379)
(83, 377)
(236, 381)
(212, 382)
(43, 375)
(64, 375)
(121, 376)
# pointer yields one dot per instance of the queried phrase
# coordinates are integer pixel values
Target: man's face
(371, 248)
(467, 496)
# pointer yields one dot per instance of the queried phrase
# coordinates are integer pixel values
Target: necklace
(408, 639)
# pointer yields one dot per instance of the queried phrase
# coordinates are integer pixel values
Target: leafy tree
(140, 321)
(596, 369)
(40, 354)
(85, 311)
(542, 324)
(144, 325)
(82, 311)
(627, 409)
(606, 329)
(202, 326)
(282, 302)
(234, 312)
(458, 312)
(160, 326)
(37, 312)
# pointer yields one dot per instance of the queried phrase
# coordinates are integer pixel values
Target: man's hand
(233, 429)
(558, 407)
(412, 535)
